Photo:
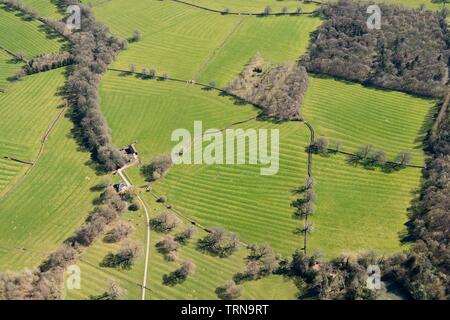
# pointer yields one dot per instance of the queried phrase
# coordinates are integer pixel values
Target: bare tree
(404, 158)
(229, 291)
(220, 242)
(186, 235)
(119, 232)
(380, 157)
(137, 36)
(114, 291)
(165, 222)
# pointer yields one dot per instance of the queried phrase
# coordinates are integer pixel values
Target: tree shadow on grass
(173, 278)
(112, 260)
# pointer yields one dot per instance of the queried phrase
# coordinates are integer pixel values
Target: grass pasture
(175, 39)
(210, 273)
(49, 205)
(28, 109)
(278, 39)
(358, 209)
(55, 197)
(356, 116)
(239, 198)
(258, 207)
(26, 36)
(189, 43)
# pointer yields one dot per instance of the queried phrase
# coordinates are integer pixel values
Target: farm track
(147, 218)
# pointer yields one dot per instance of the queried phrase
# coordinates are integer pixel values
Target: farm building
(130, 151)
(120, 187)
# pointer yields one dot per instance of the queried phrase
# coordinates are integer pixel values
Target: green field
(95, 278)
(258, 207)
(290, 34)
(53, 199)
(27, 110)
(175, 39)
(26, 36)
(193, 44)
(356, 116)
(147, 111)
(360, 210)
(49, 205)
(242, 200)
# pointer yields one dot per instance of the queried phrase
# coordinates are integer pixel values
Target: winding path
(147, 250)
(147, 222)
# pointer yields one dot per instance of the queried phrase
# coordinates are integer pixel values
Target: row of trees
(305, 207)
(409, 53)
(20, 6)
(277, 90)
(372, 158)
(268, 10)
(48, 62)
(365, 156)
(93, 50)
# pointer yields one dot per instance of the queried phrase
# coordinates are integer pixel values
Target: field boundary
(18, 160)
(261, 14)
(13, 54)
